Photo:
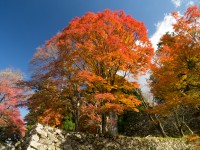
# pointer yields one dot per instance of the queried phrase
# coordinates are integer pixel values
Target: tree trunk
(76, 120)
(189, 129)
(179, 125)
(157, 122)
(104, 124)
(113, 126)
(160, 126)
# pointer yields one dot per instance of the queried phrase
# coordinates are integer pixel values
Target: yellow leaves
(175, 73)
(112, 107)
(183, 77)
(129, 102)
(105, 97)
(135, 109)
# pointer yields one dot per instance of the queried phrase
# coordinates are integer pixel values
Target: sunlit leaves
(85, 60)
(176, 72)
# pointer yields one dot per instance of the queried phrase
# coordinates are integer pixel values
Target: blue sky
(27, 24)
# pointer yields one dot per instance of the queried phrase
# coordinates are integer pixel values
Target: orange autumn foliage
(95, 55)
(176, 78)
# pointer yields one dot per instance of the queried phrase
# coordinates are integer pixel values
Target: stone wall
(46, 138)
(4, 146)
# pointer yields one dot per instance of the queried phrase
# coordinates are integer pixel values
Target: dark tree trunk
(76, 120)
(113, 126)
(104, 124)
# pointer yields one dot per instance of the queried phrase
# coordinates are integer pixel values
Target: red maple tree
(11, 124)
(93, 58)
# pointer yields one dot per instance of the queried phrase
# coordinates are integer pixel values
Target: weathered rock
(35, 137)
(30, 148)
(41, 132)
(47, 138)
(4, 146)
(35, 144)
(51, 147)
(45, 141)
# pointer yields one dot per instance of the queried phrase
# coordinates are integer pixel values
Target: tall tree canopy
(11, 125)
(91, 61)
(176, 73)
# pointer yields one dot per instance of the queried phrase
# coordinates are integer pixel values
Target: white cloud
(191, 3)
(146, 91)
(177, 3)
(161, 28)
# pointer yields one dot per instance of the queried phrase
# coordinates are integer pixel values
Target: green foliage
(122, 122)
(68, 123)
(28, 127)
